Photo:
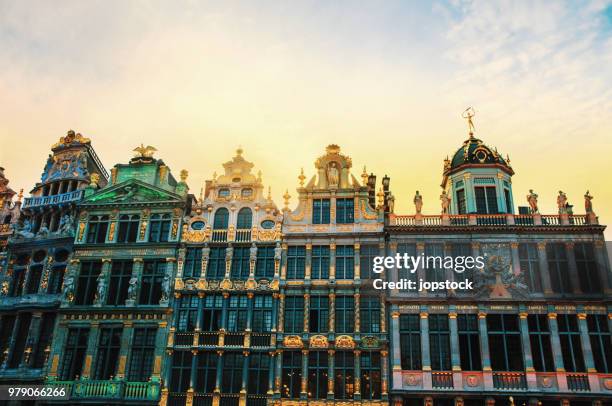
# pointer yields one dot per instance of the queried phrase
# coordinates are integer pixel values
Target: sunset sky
(386, 80)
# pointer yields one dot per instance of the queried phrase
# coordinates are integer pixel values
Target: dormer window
(248, 192)
(225, 192)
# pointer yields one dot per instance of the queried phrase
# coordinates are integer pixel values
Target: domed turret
(477, 177)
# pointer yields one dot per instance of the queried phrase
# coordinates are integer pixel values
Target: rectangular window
(539, 338)
(320, 262)
(469, 342)
(151, 284)
(18, 282)
(461, 204)
(345, 211)
(240, 263)
(56, 279)
(318, 321)
(96, 229)
(505, 340)
(187, 313)
(317, 374)
(259, 367)
(211, 312)
(180, 372)
(345, 262)
(192, 268)
(264, 267)
(142, 354)
(366, 261)
(34, 279)
(216, 264)
(345, 314)
(292, 374)
(47, 324)
(294, 314)
(74, 353)
(6, 330)
(369, 314)
(508, 201)
(262, 314)
(587, 268)
(320, 211)
(232, 372)
(530, 266)
(23, 326)
(571, 348)
(121, 273)
(434, 271)
(462, 250)
(410, 341)
(344, 375)
(601, 342)
(409, 249)
(370, 375)
(159, 228)
(486, 200)
(128, 228)
(87, 282)
(108, 352)
(237, 313)
(206, 375)
(439, 342)
(296, 262)
(558, 267)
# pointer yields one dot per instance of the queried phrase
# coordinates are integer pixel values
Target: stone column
(281, 312)
(271, 373)
(126, 344)
(308, 262)
(573, 268)
(224, 311)
(384, 379)
(330, 374)
(332, 259)
(332, 311)
(306, 311)
(454, 340)
(163, 344)
(245, 378)
(556, 349)
(274, 326)
(544, 272)
(587, 351)
(356, 300)
(218, 379)
(279, 373)
(483, 335)
(393, 273)
(527, 355)
(180, 261)
(92, 344)
(357, 395)
(304, 385)
(357, 261)
(425, 355)
(281, 261)
(396, 358)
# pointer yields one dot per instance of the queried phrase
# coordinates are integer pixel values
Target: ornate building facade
(222, 342)
(39, 249)
(108, 345)
(332, 330)
(536, 327)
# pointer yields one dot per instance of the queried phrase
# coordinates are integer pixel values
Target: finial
(287, 196)
(364, 176)
(270, 193)
(184, 174)
(468, 114)
(302, 177)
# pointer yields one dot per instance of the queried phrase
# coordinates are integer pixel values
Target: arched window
(128, 228)
(221, 219)
(160, 228)
(245, 219)
(96, 230)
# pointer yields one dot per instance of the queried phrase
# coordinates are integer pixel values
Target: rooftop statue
(532, 199)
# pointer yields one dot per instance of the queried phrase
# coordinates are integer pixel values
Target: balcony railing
(261, 340)
(243, 235)
(240, 235)
(509, 380)
(578, 382)
(74, 196)
(108, 389)
(442, 380)
(493, 220)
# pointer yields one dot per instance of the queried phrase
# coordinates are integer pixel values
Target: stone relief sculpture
(66, 226)
(43, 231)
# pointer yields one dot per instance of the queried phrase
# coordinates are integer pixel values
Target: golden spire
(302, 177)
(287, 196)
(364, 176)
(468, 114)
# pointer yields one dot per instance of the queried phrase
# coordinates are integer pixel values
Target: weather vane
(468, 114)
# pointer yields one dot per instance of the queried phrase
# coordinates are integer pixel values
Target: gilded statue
(418, 202)
(532, 199)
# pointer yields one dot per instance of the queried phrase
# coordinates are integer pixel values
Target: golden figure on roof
(144, 152)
